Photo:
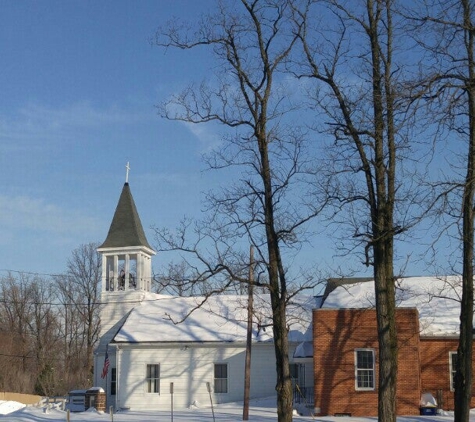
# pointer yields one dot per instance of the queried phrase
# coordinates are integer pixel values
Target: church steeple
(126, 228)
(126, 253)
(126, 274)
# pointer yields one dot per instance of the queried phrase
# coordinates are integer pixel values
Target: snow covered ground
(260, 411)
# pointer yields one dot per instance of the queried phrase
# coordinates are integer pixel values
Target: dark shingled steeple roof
(126, 228)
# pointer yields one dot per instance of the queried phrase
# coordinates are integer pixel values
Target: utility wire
(65, 274)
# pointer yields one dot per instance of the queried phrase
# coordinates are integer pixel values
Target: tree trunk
(278, 290)
(387, 337)
(463, 375)
(382, 211)
(284, 383)
(250, 308)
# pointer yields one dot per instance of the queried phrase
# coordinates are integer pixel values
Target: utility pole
(250, 305)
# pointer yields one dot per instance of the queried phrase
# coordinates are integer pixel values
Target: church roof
(219, 318)
(126, 228)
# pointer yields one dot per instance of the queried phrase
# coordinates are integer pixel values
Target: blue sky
(80, 81)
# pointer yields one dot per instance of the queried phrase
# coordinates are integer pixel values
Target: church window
(113, 381)
(153, 378)
(220, 378)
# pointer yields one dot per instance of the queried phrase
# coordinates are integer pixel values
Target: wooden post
(208, 386)
(171, 393)
(247, 368)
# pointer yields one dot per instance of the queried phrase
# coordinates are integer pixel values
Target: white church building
(186, 350)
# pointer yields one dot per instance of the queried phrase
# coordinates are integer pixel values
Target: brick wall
(96, 399)
(337, 333)
(435, 369)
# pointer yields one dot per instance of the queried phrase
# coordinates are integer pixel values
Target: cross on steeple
(127, 172)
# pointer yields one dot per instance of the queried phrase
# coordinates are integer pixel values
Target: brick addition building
(345, 346)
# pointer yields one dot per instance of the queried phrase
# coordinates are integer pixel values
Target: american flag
(105, 369)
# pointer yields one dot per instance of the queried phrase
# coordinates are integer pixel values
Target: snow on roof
(304, 350)
(436, 298)
(221, 318)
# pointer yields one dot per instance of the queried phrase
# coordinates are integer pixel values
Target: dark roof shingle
(126, 228)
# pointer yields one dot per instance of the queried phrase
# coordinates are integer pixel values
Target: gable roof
(126, 228)
(221, 318)
(333, 283)
(437, 300)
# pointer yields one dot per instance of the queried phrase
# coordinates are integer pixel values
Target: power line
(95, 303)
(65, 274)
(6, 270)
(6, 355)
(16, 356)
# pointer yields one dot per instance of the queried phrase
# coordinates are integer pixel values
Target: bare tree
(361, 91)
(252, 42)
(80, 293)
(43, 329)
(51, 327)
(446, 30)
(177, 279)
(28, 316)
(17, 359)
(73, 336)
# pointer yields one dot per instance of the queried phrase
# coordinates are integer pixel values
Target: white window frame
(152, 381)
(215, 379)
(452, 370)
(372, 370)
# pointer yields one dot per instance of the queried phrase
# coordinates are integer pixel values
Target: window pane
(294, 371)
(152, 371)
(221, 386)
(365, 379)
(113, 381)
(453, 369)
(365, 359)
(220, 371)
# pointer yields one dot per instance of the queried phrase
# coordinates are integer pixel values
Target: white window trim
(146, 380)
(356, 370)
(451, 371)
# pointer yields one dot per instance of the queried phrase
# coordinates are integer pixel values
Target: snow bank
(7, 407)
(263, 410)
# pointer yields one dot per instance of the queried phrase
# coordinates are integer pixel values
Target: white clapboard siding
(190, 368)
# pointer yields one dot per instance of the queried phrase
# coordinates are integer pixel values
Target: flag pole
(105, 371)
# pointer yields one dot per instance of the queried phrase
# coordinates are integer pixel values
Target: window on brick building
(452, 369)
(364, 369)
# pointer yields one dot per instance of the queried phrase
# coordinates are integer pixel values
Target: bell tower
(126, 265)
